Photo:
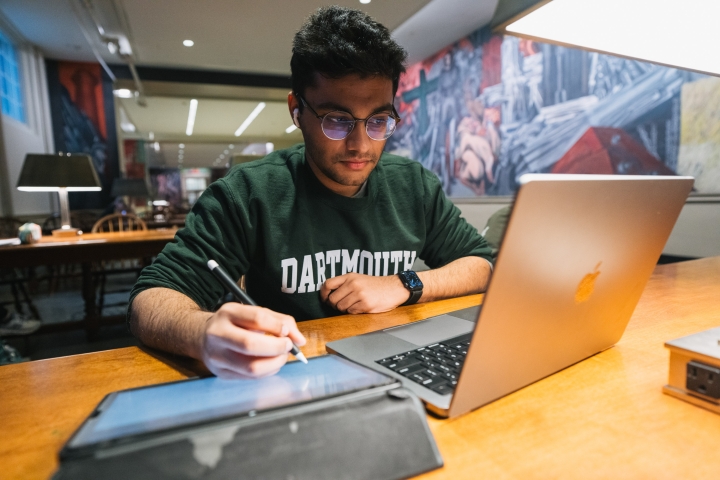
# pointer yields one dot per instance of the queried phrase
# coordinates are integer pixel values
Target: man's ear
(294, 107)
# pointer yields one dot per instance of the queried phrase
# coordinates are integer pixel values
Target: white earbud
(296, 122)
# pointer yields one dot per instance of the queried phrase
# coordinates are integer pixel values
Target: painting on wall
(166, 185)
(486, 110)
(83, 120)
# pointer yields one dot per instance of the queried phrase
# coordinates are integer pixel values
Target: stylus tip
(301, 357)
(212, 264)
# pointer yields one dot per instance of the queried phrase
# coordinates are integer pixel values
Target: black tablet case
(373, 434)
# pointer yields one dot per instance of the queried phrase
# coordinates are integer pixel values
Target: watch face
(411, 280)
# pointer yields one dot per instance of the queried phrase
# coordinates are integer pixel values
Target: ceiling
(229, 35)
(216, 120)
(237, 35)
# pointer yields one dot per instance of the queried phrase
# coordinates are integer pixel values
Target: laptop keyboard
(435, 366)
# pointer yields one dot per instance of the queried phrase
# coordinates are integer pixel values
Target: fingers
(236, 345)
(254, 344)
(332, 284)
(234, 366)
(262, 320)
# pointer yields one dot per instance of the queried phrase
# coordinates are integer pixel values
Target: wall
(19, 138)
(696, 233)
(487, 109)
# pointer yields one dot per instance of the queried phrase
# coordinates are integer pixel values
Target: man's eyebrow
(330, 106)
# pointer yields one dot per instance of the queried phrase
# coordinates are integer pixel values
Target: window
(10, 86)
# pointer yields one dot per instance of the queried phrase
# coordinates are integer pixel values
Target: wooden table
(85, 249)
(602, 418)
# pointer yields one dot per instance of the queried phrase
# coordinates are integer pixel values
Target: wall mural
(488, 109)
(83, 120)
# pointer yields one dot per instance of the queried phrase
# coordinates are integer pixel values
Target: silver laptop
(576, 256)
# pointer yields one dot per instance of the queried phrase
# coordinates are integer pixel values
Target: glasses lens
(380, 126)
(338, 125)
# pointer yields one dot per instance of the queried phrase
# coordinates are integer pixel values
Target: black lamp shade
(130, 187)
(50, 172)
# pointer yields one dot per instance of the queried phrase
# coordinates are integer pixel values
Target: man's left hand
(357, 293)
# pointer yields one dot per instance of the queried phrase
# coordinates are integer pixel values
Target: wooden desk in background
(85, 249)
(603, 418)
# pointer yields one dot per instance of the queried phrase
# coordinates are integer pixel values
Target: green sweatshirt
(274, 222)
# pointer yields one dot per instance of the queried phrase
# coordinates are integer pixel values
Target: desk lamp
(130, 187)
(60, 173)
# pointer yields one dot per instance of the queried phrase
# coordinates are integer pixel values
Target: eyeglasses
(337, 124)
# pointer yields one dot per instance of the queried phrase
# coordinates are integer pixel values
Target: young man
(319, 229)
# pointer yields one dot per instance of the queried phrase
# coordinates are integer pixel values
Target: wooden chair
(12, 276)
(117, 222)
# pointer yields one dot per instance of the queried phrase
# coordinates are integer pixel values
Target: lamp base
(66, 232)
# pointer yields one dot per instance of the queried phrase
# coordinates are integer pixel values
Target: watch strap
(414, 297)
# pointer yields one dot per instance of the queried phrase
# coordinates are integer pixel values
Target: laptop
(575, 258)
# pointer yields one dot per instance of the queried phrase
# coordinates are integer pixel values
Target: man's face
(343, 165)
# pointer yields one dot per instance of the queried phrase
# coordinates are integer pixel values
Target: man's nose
(358, 139)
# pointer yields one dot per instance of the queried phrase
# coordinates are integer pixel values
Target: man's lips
(355, 164)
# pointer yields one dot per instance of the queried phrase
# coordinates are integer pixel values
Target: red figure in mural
(85, 83)
(603, 150)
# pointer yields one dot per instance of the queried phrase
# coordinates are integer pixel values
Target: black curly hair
(337, 41)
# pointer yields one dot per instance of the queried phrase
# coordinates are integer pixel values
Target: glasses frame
(393, 114)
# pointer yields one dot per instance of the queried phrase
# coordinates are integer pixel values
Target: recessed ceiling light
(188, 43)
(290, 129)
(250, 119)
(191, 117)
(182, 145)
(226, 152)
(231, 146)
(364, 2)
(222, 156)
(123, 93)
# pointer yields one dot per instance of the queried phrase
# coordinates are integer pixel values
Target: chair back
(119, 222)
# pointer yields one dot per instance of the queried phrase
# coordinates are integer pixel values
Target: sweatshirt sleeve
(217, 228)
(449, 236)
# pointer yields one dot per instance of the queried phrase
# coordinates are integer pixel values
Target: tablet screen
(160, 407)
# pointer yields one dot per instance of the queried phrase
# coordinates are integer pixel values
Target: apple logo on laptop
(587, 285)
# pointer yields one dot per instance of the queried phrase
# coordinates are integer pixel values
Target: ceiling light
(222, 156)
(631, 28)
(226, 152)
(290, 129)
(151, 136)
(231, 146)
(250, 119)
(180, 157)
(156, 146)
(123, 93)
(188, 43)
(191, 117)
(182, 145)
(364, 2)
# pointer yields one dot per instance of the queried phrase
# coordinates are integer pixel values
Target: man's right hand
(235, 344)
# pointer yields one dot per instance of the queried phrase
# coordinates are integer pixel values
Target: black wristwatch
(413, 283)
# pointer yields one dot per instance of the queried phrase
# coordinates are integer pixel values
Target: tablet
(139, 411)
